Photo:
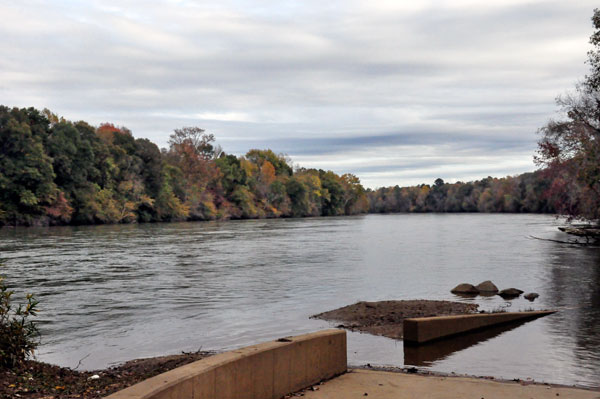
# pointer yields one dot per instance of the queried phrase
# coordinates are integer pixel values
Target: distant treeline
(53, 171)
(522, 193)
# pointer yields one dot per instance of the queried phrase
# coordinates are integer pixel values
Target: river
(113, 293)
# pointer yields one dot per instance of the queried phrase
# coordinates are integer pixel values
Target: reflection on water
(574, 285)
(112, 293)
(429, 353)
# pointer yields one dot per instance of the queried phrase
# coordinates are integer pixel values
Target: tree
(193, 139)
(191, 151)
(279, 161)
(298, 193)
(26, 174)
(570, 147)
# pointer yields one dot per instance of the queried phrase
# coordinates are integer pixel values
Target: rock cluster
(488, 288)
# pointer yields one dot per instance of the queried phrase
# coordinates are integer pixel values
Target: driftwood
(572, 242)
(589, 232)
(584, 231)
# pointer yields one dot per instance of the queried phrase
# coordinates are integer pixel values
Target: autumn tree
(192, 151)
(570, 146)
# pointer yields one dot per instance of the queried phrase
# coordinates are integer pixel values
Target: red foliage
(60, 210)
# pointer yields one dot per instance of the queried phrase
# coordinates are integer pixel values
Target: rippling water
(112, 293)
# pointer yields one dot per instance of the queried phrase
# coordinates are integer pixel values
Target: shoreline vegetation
(57, 172)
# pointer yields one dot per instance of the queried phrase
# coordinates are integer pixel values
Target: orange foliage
(267, 172)
(107, 130)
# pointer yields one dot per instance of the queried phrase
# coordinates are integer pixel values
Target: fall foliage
(569, 148)
(526, 193)
(54, 171)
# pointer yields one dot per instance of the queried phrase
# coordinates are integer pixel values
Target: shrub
(19, 336)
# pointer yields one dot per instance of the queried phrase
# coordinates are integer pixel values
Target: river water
(113, 293)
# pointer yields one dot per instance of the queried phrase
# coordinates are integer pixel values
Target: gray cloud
(390, 91)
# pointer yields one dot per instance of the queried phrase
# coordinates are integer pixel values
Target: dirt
(386, 317)
(37, 380)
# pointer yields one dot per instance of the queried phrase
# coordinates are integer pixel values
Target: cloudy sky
(396, 92)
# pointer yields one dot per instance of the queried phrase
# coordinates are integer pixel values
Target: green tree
(333, 194)
(298, 194)
(26, 174)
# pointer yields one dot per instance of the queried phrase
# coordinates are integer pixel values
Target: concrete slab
(363, 384)
(426, 329)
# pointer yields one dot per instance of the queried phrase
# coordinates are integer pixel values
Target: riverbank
(37, 380)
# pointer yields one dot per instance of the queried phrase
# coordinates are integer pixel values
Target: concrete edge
(427, 329)
(429, 373)
(267, 370)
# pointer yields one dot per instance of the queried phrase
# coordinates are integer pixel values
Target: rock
(510, 293)
(531, 296)
(465, 288)
(487, 287)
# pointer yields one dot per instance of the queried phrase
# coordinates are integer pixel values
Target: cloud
(311, 79)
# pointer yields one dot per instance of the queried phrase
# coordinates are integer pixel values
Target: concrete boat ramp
(315, 366)
(367, 384)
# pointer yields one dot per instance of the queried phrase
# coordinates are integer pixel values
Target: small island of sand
(385, 318)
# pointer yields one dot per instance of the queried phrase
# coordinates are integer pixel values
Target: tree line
(54, 171)
(525, 193)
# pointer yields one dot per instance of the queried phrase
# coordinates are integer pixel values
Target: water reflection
(428, 353)
(574, 287)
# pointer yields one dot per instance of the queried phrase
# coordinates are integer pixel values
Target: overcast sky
(396, 92)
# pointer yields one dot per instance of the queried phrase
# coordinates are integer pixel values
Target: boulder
(487, 287)
(465, 288)
(510, 293)
(531, 296)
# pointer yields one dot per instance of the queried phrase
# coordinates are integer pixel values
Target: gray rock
(531, 296)
(487, 287)
(465, 288)
(510, 293)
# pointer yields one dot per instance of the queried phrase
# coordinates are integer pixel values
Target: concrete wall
(264, 371)
(427, 329)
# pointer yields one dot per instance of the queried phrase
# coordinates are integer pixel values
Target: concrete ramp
(427, 329)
